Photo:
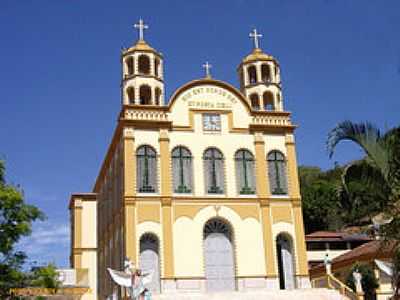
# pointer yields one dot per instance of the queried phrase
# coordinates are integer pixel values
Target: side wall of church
(84, 242)
(110, 215)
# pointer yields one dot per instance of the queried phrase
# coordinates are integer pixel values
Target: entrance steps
(299, 294)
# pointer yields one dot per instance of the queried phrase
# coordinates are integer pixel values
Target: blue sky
(60, 76)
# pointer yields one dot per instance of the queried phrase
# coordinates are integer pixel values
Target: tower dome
(260, 81)
(142, 73)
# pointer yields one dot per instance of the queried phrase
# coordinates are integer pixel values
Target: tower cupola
(142, 73)
(260, 79)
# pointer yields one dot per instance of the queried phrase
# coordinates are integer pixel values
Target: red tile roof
(326, 236)
(369, 251)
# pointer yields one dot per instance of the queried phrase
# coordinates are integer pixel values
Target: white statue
(357, 281)
(134, 280)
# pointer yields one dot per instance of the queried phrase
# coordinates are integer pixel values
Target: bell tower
(260, 79)
(142, 73)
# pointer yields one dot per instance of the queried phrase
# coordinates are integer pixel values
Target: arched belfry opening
(130, 65)
(157, 67)
(285, 258)
(255, 101)
(144, 64)
(252, 74)
(265, 73)
(268, 101)
(131, 95)
(145, 95)
(149, 260)
(219, 256)
(157, 96)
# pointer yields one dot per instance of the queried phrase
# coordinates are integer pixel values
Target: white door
(149, 261)
(219, 264)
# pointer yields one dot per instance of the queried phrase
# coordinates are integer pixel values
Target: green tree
(16, 218)
(45, 277)
(319, 199)
(379, 170)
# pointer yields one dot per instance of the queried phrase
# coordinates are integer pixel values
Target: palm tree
(381, 163)
(379, 168)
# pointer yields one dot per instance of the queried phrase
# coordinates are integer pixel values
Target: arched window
(156, 67)
(277, 173)
(268, 99)
(252, 72)
(146, 174)
(131, 95)
(245, 172)
(255, 102)
(129, 65)
(144, 64)
(157, 96)
(214, 171)
(145, 94)
(265, 73)
(182, 170)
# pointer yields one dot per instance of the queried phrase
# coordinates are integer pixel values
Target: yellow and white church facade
(202, 188)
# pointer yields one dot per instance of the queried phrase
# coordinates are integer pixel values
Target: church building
(201, 188)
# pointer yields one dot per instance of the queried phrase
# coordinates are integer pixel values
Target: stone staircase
(299, 294)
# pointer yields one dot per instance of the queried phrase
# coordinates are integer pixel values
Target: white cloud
(49, 242)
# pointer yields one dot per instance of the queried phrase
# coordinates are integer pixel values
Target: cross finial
(141, 27)
(207, 67)
(254, 35)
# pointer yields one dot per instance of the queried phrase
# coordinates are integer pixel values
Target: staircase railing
(331, 282)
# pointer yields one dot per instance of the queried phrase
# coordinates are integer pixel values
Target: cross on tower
(207, 67)
(141, 27)
(254, 35)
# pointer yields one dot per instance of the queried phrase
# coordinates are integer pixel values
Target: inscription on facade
(206, 92)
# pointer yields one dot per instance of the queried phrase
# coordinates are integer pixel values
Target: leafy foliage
(368, 281)
(380, 170)
(45, 277)
(328, 205)
(380, 167)
(318, 191)
(16, 218)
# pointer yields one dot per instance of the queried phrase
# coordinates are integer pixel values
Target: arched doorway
(284, 251)
(218, 256)
(149, 259)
